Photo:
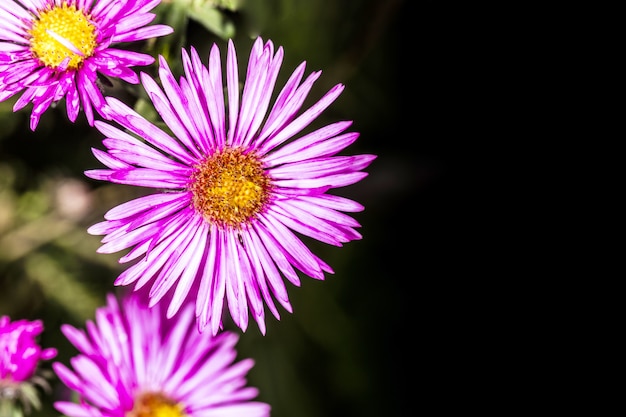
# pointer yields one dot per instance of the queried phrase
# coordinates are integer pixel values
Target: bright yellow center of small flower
(60, 33)
(155, 405)
(230, 187)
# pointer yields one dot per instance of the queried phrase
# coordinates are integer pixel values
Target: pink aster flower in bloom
(135, 363)
(232, 186)
(51, 49)
(20, 355)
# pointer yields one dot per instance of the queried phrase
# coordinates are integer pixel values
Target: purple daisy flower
(134, 363)
(233, 185)
(20, 355)
(50, 49)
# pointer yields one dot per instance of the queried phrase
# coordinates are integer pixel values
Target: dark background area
(380, 337)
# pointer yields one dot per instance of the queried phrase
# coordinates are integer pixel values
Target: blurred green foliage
(348, 348)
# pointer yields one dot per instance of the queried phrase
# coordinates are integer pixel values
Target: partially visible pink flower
(20, 354)
(133, 362)
(19, 351)
(54, 49)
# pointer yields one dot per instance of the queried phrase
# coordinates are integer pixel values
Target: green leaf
(175, 16)
(10, 409)
(231, 5)
(145, 108)
(30, 396)
(212, 19)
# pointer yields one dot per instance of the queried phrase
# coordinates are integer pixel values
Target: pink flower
(134, 362)
(19, 351)
(20, 355)
(237, 184)
(54, 49)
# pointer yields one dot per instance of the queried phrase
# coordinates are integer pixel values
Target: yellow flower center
(229, 188)
(61, 33)
(155, 405)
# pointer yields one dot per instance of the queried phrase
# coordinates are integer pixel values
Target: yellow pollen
(155, 405)
(63, 32)
(229, 187)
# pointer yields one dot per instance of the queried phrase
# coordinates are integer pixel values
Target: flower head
(135, 363)
(51, 49)
(20, 355)
(233, 185)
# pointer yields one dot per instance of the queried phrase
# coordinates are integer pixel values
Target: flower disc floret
(155, 405)
(61, 33)
(230, 187)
